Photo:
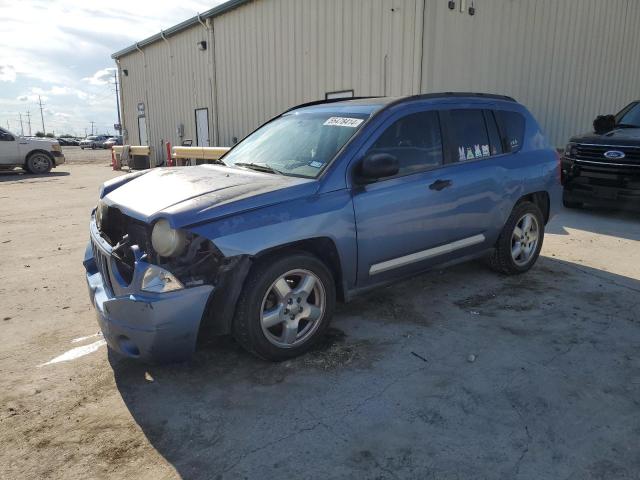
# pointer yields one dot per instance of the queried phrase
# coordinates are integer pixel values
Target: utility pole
(29, 121)
(85, 132)
(92, 123)
(115, 79)
(21, 126)
(41, 115)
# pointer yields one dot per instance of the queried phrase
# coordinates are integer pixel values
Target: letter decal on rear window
(343, 122)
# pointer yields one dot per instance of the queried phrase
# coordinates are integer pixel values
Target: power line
(41, 115)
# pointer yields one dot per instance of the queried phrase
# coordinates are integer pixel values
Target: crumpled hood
(188, 195)
(619, 136)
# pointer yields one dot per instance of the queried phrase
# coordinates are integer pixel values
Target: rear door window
(468, 136)
(415, 140)
(511, 125)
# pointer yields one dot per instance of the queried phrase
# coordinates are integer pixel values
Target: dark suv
(603, 167)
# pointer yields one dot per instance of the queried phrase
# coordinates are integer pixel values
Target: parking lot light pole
(115, 80)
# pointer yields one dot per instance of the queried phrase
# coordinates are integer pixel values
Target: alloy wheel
(524, 240)
(292, 308)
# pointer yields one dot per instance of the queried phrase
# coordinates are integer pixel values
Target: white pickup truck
(34, 155)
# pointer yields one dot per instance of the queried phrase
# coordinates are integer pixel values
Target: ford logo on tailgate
(614, 155)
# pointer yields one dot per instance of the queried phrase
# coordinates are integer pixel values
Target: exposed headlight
(56, 147)
(159, 280)
(167, 241)
(102, 210)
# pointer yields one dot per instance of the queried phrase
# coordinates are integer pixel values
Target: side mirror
(604, 124)
(376, 166)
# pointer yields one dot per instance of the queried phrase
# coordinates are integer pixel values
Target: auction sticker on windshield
(344, 122)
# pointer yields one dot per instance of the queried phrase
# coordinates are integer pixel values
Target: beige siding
(567, 60)
(274, 54)
(178, 78)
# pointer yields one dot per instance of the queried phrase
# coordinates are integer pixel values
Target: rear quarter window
(511, 125)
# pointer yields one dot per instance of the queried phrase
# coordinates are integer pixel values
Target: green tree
(39, 134)
(49, 135)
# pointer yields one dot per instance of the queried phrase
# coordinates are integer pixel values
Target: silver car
(93, 142)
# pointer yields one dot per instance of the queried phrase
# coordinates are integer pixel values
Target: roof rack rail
(327, 101)
(464, 94)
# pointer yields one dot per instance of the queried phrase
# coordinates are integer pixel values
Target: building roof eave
(214, 12)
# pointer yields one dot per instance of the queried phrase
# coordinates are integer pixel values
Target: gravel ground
(461, 374)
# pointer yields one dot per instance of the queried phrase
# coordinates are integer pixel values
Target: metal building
(216, 77)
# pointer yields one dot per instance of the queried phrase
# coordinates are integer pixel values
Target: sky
(61, 50)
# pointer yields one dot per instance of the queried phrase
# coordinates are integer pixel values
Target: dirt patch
(386, 305)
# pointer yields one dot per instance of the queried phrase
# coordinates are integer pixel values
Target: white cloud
(61, 50)
(7, 73)
(101, 77)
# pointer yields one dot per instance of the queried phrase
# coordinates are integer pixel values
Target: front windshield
(631, 118)
(297, 144)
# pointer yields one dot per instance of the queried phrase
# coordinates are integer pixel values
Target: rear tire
(285, 306)
(520, 242)
(39, 163)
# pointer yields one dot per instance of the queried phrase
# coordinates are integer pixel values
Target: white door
(142, 131)
(202, 127)
(8, 148)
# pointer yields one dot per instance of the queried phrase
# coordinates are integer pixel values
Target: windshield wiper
(626, 125)
(260, 167)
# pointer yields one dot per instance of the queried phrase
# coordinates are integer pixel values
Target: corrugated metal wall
(567, 60)
(273, 54)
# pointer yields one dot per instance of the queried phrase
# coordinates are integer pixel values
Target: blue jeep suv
(321, 203)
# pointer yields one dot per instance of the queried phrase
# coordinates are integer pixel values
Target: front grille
(102, 262)
(122, 232)
(595, 153)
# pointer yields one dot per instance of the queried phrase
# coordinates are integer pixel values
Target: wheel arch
(541, 200)
(36, 151)
(220, 310)
(322, 247)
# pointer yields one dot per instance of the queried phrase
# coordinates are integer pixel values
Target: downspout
(422, 59)
(213, 80)
(164, 37)
(121, 95)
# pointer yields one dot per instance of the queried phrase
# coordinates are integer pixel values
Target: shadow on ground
(553, 391)
(22, 176)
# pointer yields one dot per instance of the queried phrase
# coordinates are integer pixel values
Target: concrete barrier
(197, 155)
(138, 157)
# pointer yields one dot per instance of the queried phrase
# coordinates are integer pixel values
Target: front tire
(285, 307)
(520, 242)
(39, 164)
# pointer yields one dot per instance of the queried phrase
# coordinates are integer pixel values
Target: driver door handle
(440, 185)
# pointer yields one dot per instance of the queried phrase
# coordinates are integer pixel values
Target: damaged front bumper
(154, 327)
